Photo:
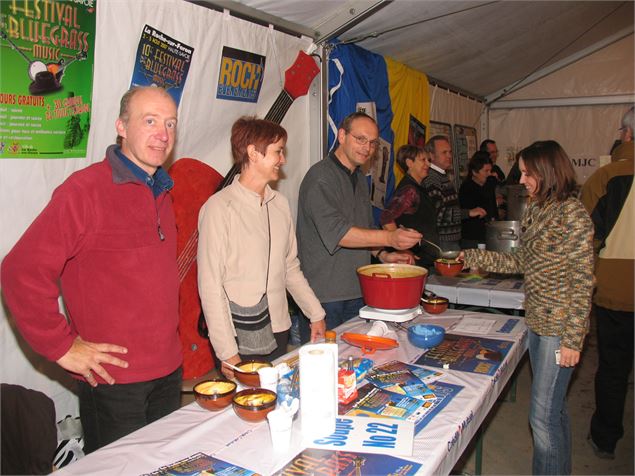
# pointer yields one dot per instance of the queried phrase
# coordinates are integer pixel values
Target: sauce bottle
(347, 383)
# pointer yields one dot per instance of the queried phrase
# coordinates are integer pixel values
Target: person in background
(410, 206)
(513, 177)
(556, 257)
(478, 190)
(335, 225)
(489, 146)
(626, 134)
(443, 194)
(247, 251)
(108, 236)
(609, 197)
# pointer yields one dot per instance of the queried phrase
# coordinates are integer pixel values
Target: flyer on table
(46, 77)
(370, 435)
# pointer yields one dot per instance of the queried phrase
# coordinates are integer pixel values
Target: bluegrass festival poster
(162, 61)
(46, 77)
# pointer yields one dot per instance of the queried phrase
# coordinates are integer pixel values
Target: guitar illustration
(36, 66)
(194, 183)
(59, 68)
(297, 80)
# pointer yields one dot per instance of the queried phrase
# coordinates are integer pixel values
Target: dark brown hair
(406, 152)
(479, 160)
(549, 164)
(249, 130)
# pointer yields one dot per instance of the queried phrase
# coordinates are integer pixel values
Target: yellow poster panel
(410, 100)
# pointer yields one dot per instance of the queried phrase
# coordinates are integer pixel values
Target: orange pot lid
(369, 344)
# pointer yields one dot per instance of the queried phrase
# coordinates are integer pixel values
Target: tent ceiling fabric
(477, 47)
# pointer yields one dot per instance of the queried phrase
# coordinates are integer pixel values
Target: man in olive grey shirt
(334, 226)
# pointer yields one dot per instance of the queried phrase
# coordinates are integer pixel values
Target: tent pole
(572, 101)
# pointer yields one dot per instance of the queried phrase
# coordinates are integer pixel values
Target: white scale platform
(389, 315)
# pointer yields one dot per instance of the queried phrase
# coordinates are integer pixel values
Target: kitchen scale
(389, 315)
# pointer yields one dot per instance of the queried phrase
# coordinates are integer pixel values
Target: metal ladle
(442, 253)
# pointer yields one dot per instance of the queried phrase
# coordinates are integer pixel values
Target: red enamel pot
(392, 286)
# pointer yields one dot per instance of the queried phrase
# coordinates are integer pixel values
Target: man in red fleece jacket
(107, 238)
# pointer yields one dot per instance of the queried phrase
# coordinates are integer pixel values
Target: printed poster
(162, 61)
(240, 75)
(416, 132)
(379, 170)
(316, 462)
(477, 355)
(46, 77)
(465, 146)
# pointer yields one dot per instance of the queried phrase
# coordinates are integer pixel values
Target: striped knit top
(446, 201)
(556, 257)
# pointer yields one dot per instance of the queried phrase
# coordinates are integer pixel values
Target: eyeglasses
(361, 140)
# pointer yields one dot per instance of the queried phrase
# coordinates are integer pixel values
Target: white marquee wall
(585, 130)
(203, 133)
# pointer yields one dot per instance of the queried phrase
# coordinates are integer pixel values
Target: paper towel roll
(318, 390)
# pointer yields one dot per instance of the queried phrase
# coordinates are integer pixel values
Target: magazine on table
(376, 402)
(403, 378)
(322, 462)
(477, 355)
(201, 464)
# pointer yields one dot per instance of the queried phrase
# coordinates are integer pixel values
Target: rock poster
(240, 75)
(162, 61)
(46, 77)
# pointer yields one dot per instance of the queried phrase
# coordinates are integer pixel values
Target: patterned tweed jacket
(556, 257)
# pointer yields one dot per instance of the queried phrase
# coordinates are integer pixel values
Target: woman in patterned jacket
(556, 257)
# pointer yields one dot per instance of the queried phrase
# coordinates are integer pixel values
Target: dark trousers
(109, 412)
(337, 313)
(282, 339)
(615, 351)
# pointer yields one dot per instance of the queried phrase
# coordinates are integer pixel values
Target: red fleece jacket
(98, 239)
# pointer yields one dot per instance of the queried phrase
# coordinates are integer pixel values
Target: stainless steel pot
(517, 199)
(502, 235)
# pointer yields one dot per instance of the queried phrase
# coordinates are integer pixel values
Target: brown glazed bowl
(253, 404)
(214, 394)
(434, 305)
(448, 267)
(249, 377)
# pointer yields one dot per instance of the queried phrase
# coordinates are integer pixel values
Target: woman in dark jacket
(477, 191)
(410, 206)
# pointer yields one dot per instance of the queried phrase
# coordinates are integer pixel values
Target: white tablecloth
(192, 429)
(476, 291)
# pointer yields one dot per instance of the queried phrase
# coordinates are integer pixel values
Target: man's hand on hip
(85, 357)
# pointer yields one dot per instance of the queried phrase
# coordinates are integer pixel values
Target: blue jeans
(548, 415)
(337, 313)
(109, 412)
